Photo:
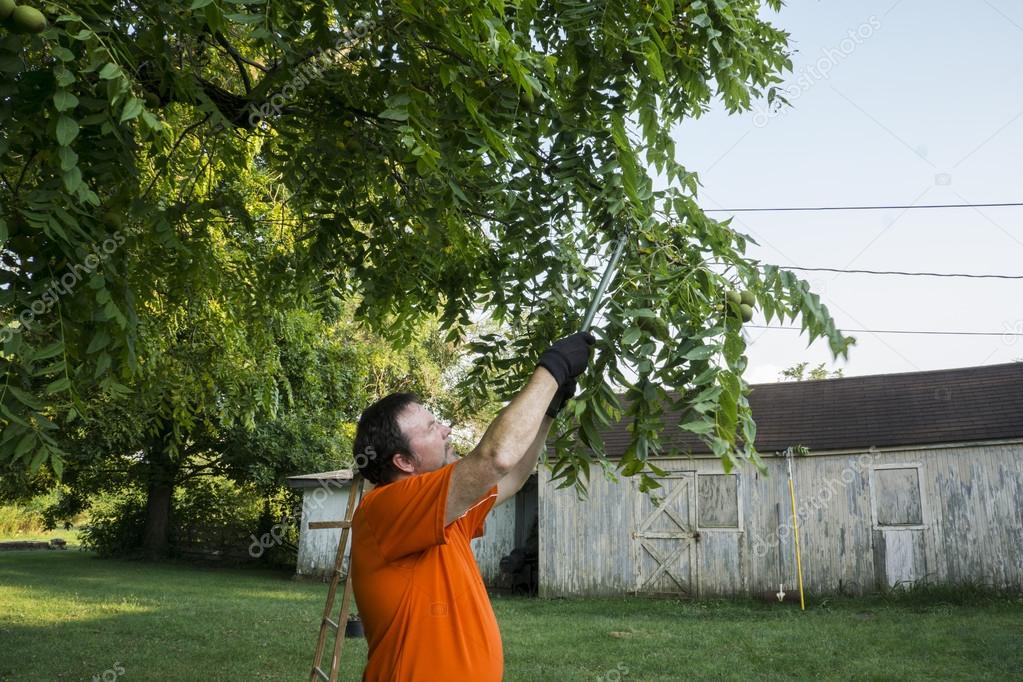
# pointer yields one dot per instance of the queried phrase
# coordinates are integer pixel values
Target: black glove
(567, 358)
(560, 398)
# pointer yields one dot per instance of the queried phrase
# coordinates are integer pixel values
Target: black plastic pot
(353, 629)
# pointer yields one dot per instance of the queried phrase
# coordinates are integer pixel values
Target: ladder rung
(316, 525)
(331, 623)
(321, 674)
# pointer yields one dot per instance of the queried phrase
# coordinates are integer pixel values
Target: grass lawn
(69, 616)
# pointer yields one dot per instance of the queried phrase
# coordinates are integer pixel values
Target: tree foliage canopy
(235, 158)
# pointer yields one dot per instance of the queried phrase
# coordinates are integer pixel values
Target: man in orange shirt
(422, 601)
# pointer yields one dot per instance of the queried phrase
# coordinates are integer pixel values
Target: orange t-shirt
(418, 589)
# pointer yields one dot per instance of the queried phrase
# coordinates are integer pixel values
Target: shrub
(116, 524)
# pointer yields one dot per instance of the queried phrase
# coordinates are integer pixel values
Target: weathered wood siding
(586, 545)
(497, 541)
(944, 514)
(508, 527)
(317, 548)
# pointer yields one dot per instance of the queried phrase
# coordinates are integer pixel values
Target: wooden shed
(909, 477)
(324, 500)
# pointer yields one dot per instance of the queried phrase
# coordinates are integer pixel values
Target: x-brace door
(664, 540)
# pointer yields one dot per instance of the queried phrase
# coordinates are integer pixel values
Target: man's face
(430, 440)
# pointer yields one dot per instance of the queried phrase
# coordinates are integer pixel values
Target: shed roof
(884, 410)
(324, 479)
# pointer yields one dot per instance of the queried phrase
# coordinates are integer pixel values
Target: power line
(760, 209)
(894, 331)
(900, 272)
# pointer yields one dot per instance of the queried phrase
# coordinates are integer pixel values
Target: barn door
(900, 552)
(664, 540)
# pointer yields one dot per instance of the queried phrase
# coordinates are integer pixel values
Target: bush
(213, 518)
(116, 524)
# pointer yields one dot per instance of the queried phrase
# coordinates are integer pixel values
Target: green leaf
(59, 385)
(72, 182)
(62, 53)
(10, 63)
(63, 76)
(701, 353)
(102, 365)
(132, 108)
(39, 458)
(24, 397)
(653, 60)
(68, 158)
(699, 427)
(395, 114)
(67, 130)
(151, 121)
(7, 412)
(98, 342)
(109, 71)
(26, 443)
(47, 352)
(64, 100)
(631, 336)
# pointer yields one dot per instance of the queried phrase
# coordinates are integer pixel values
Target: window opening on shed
(897, 495)
(718, 501)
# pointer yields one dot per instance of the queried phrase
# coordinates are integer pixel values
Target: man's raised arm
(512, 435)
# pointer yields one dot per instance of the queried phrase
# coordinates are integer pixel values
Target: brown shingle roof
(884, 410)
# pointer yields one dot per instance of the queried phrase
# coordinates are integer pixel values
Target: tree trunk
(155, 539)
(159, 497)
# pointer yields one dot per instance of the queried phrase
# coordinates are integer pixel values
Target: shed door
(664, 541)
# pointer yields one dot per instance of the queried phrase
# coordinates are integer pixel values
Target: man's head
(397, 437)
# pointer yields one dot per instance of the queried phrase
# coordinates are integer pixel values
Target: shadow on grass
(74, 616)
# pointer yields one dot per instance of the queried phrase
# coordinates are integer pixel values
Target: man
(419, 592)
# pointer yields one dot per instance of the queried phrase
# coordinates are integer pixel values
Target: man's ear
(404, 463)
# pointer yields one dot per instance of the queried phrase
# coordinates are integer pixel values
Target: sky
(923, 105)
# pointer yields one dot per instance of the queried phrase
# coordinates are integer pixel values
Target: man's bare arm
(516, 478)
(503, 447)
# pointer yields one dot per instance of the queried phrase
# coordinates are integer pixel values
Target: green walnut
(734, 297)
(746, 311)
(6, 9)
(28, 20)
(747, 298)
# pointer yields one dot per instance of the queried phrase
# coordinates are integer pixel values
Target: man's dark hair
(378, 438)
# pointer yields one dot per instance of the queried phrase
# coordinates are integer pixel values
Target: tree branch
(24, 169)
(237, 55)
(237, 60)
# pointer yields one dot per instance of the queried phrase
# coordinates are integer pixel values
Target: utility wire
(894, 331)
(900, 272)
(761, 209)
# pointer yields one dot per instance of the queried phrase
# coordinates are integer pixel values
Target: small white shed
(324, 501)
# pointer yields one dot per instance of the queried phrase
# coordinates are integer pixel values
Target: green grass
(70, 616)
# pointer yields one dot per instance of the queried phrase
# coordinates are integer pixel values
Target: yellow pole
(795, 531)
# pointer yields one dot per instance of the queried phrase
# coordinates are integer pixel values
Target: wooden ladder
(338, 626)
